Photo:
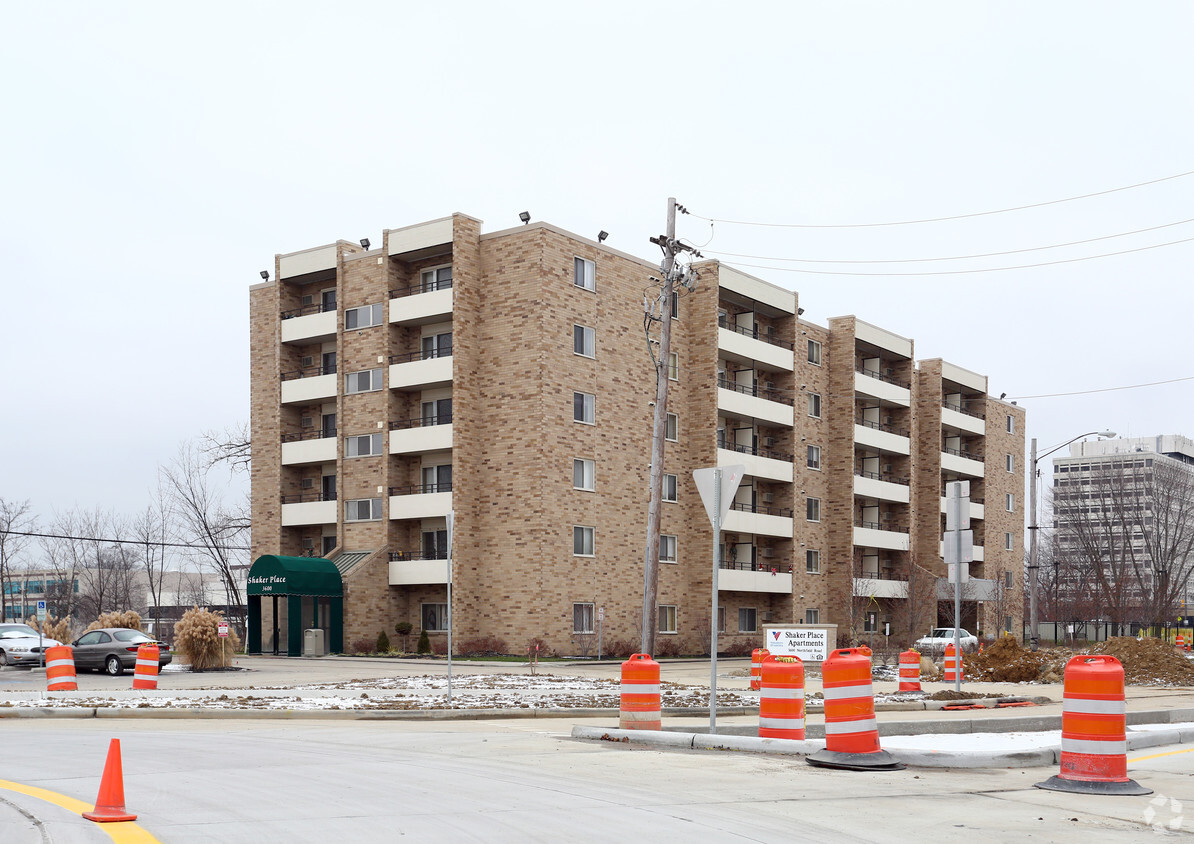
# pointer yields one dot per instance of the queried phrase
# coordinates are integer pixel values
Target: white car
(936, 641)
(19, 645)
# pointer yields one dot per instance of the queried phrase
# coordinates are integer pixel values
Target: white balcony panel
(312, 328)
(322, 450)
(877, 336)
(421, 374)
(762, 524)
(883, 490)
(874, 587)
(757, 289)
(309, 513)
(740, 346)
(754, 407)
(979, 552)
(307, 261)
(309, 389)
(420, 236)
(427, 505)
(418, 572)
(733, 580)
(879, 389)
(881, 440)
(965, 377)
(974, 589)
(757, 467)
(872, 538)
(977, 511)
(963, 422)
(421, 440)
(421, 308)
(962, 465)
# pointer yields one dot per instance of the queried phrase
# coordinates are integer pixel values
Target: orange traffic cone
(109, 805)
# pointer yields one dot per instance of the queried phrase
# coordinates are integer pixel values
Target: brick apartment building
(505, 376)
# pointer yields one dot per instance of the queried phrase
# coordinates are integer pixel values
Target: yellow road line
(121, 832)
(1159, 755)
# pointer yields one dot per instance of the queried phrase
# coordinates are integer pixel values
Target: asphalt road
(235, 781)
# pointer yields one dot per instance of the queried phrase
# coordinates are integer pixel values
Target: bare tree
(64, 557)
(16, 518)
(232, 447)
(152, 529)
(109, 582)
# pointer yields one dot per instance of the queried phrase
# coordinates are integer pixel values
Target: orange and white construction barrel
(757, 657)
(60, 669)
(781, 705)
(851, 731)
(1181, 642)
(954, 670)
(1094, 746)
(145, 674)
(640, 694)
(910, 671)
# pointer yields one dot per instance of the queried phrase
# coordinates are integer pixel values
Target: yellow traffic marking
(122, 832)
(1159, 755)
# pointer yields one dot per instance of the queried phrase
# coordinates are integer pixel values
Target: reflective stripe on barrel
(850, 725)
(757, 657)
(781, 704)
(1094, 744)
(145, 674)
(640, 694)
(60, 669)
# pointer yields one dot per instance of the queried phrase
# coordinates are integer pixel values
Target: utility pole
(671, 248)
(1033, 640)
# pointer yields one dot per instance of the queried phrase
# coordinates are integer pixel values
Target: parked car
(19, 645)
(936, 641)
(114, 649)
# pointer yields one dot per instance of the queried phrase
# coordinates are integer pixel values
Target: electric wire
(154, 543)
(1107, 389)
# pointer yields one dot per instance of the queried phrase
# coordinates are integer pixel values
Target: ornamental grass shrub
(198, 641)
(129, 618)
(52, 628)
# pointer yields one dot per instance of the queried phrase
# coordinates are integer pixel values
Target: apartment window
(584, 340)
(812, 616)
(439, 278)
(437, 478)
(721, 619)
(328, 544)
(435, 544)
(582, 618)
(437, 345)
(670, 488)
(362, 317)
(667, 549)
(583, 474)
(365, 381)
(582, 541)
(584, 408)
(1011, 502)
(814, 405)
(1011, 463)
(1007, 579)
(675, 304)
(362, 446)
(812, 561)
(1011, 424)
(1007, 623)
(586, 274)
(748, 620)
(434, 617)
(814, 457)
(667, 618)
(362, 510)
(1007, 541)
(673, 428)
(812, 509)
(814, 352)
(438, 412)
(673, 366)
(870, 622)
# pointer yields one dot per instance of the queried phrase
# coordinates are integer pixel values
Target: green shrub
(424, 643)
(383, 643)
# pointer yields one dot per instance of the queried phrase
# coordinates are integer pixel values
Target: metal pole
(713, 612)
(958, 607)
(451, 525)
(1032, 531)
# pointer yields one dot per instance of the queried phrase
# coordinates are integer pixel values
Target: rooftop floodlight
(365, 242)
(265, 275)
(602, 235)
(525, 216)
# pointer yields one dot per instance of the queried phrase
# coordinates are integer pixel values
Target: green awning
(272, 574)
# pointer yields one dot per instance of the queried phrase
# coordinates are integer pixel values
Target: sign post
(451, 526)
(222, 632)
(959, 552)
(717, 486)
(600, 621)
(41, 617)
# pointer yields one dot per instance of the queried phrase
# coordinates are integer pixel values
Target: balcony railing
(888, 526)
(421, 422)
(759, 392)
(427, 354)
(317, 434)
(881, 476)
(760, 565)
(757, 451)
(421, 489)
(888, 378)
(762, 509)
(879, 426)
(304, 497)
(422, 287)
(402, 556)
(731, 325)
(957, 408)
(961, 452)
(880, 574)
(309, 309)
(308, 371)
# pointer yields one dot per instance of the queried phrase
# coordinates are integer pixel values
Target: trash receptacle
(313, 642)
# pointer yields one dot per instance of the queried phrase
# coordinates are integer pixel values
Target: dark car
(19, 645)
(113, 649)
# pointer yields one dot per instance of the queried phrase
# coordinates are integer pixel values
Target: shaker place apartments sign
(811, 644)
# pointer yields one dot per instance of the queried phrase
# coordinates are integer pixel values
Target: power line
(949, 257)
(963, 272)
(1106, 389)
(119, 541)
(942, 219)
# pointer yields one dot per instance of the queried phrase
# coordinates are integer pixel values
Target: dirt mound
(1148, 662)
(1006, 661)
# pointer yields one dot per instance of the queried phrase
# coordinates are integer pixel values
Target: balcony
(882, 487)
(879, 583)
(766, 405)
(977, 510)
(745, 344)
(955, 416)
(421, 239)
(883, 387)
(309, 324)
(420, 435)
(759, 519)
(757, 465)
(754, 577)
(421, 370)
(312, 383)
(314, 447)
(962, 463)
(890, 440)
(881, 535)
(422, 501)
(309, 508)
(416, 569)
(420, 304)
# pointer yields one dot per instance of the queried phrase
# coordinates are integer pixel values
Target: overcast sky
(157, 156)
